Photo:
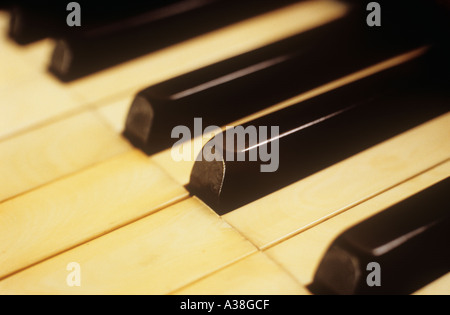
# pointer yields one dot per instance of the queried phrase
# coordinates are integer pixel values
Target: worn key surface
(50, 276)
(64, 274)
(253, 275)
(301, 255)
(56, 150)
(51, 271)
(335, 189)
(78, 208)
(155, 255)
(54, 105)
(35, 105)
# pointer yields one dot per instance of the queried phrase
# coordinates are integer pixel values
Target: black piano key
(237, 87)
(409, 241)
(31, 22)
(22, 28)
(88, 50)
(318, 133)
(35, 20)
(229, 90)
(5, 5)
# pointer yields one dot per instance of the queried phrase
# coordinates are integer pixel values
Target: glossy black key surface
(88, 50)
(237, 87)
(320, 132)
(33, 20)
(410, 242)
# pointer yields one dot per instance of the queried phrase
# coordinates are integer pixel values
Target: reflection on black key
(87, 50)
(319, 133)
(237, 87)
(410, 243)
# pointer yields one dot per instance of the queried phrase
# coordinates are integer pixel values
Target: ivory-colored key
(3, 21)
(55, 150)
(155, 255)
(35, 55)
(254, 275)
(34, 102)
(28, 95)
(115, 112)
(13, 69)
(301, 254)
(78, 208)
(323, 195)
(440, 286)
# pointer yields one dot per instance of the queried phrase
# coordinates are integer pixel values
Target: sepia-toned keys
(405, 247)
(315, 134)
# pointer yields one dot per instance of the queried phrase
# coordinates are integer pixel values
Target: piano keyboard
(75, 190)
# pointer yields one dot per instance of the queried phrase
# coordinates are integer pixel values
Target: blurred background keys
(34, 20)
(87, 50)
